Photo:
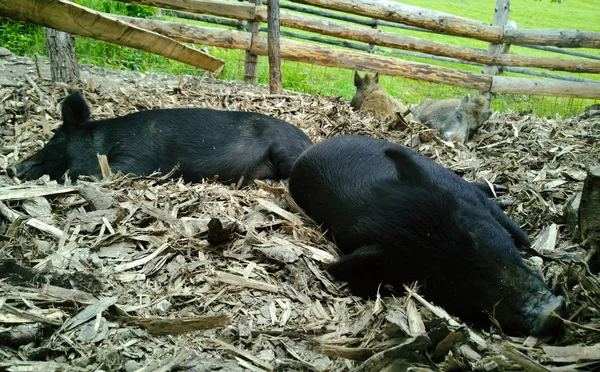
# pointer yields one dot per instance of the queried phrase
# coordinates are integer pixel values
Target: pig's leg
(360, 269)
(518, 235)
(505, 203)
(498, 189)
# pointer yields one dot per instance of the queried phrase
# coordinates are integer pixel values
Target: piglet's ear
(376, 77)
(75, 111)
(357, 79)
(407, 169)
(465, 100)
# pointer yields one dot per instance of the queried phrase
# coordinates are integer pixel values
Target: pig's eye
(459, 116)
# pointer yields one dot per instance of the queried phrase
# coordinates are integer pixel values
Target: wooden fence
(246, 17)
(240, 25)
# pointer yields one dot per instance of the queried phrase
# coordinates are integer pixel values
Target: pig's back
(204, 142)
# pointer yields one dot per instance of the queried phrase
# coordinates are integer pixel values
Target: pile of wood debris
(152, 274)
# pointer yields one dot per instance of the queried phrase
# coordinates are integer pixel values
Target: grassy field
(538, 14)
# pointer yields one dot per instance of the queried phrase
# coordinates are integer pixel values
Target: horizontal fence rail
(343, 17)
(459, 26)
(76, 19)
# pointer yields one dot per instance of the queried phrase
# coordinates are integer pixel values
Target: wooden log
(338, 42)
(64, 67)
(561, 51)
(526, 71)
(459, 26)
(330, 57)
(341, 16)
(242, 11)
(500, 19)
(373, 23)
(204, 18)
(501, 12)
(275, 85)
(393, 40)
(557, 38)
(316, 54)
(79, 20)
(251, 60)
(186, 33)
(589, 208)
(414, 16)
(539, 87)
(371, 45)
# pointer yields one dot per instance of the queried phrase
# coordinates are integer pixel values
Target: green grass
(538, 14)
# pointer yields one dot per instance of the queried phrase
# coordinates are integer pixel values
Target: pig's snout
(547, 322)
(29, 169)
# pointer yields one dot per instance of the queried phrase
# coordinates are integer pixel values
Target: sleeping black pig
(203, 142)
(399, 217)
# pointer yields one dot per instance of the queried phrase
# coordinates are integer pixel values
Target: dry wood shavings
(161, 326)
(149, 273)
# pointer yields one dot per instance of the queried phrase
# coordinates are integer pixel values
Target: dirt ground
(153, 274)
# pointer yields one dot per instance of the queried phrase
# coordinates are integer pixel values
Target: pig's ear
(75, 111)
(407, 169)
(357, 79)
(465, 100)
(376, 77)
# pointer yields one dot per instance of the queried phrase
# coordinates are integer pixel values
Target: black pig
(203, 142)
(400, 217)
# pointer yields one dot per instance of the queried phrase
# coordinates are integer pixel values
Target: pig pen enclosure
(152, 274)
(129, 274)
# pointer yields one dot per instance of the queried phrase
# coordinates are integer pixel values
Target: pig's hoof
(505, 203)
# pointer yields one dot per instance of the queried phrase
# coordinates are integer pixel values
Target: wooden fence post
(251, 61)
(63, 58)
(500, 19)
(275, 85)
(374, 27)
(589, 208)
